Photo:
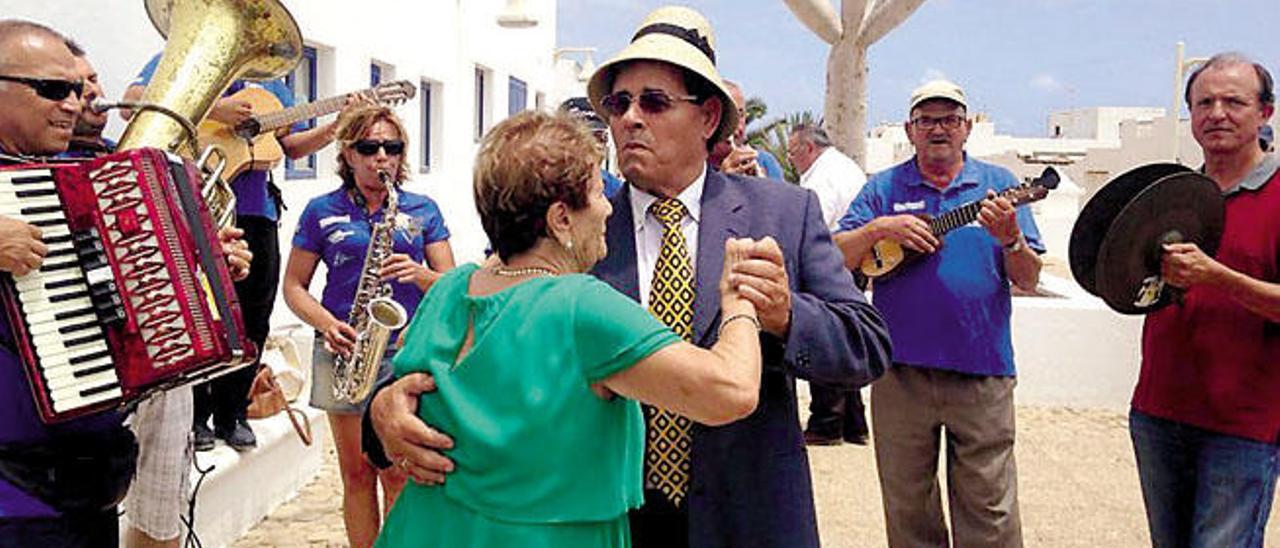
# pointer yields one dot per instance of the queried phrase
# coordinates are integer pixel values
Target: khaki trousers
(912, 409)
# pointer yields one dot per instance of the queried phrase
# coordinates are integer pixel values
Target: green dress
(541, 461)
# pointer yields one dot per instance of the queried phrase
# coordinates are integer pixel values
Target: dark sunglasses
(53, 90)
(651, 101)
(369, 147)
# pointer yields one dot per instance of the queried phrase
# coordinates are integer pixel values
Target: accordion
(134, 294)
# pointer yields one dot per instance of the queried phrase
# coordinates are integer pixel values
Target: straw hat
(679, 36)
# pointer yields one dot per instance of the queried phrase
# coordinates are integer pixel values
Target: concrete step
(243, 488)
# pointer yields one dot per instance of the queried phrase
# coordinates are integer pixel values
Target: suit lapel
(618, 268)
(722, 218)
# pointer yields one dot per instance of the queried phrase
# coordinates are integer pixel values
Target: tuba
(374, 315)
(210, 44)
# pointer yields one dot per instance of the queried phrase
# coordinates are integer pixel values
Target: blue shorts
(322, 382)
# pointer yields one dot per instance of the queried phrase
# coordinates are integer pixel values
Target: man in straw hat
(745, 484)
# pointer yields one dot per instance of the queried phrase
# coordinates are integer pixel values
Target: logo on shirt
(339, 235)
(411, 226)
(334, 219)
(908, 206)
(340, 259)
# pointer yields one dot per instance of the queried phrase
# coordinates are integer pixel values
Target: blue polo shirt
(772, 168)
(253, 198)
(335, 228)
(20, 425)
(949, 310)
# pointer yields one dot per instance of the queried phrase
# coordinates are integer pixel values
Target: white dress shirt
(836, 179)
(649, 231)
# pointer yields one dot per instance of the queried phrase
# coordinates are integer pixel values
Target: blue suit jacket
(750, 482)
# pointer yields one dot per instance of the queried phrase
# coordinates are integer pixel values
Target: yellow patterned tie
(666, 456)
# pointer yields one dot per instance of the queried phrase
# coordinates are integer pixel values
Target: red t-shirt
(1210, 362)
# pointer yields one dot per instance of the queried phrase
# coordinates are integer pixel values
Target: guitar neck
(955, 218)
(289, 116)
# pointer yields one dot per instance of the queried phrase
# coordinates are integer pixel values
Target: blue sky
(1018, 60)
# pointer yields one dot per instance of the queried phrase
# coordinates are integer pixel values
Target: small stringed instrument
(887, 255)
(253, 144)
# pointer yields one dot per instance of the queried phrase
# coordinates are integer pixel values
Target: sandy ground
(1078, 488)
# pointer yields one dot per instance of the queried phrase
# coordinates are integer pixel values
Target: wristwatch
(1016, 246)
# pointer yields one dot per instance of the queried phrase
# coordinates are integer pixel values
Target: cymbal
(1117, 242)
(1096, 216)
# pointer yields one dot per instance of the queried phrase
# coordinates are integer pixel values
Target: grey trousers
(912, 410)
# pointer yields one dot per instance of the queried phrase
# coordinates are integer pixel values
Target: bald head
(32, 124)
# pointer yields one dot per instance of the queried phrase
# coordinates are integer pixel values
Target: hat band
(688, 35)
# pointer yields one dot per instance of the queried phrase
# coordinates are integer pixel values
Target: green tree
(772, 137)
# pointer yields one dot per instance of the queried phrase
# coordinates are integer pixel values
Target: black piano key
(37, 210)
(60, 239)
(49, 222)
(64, 283)
(62, 316)
(98, 390)
(31, 179)
(69, 296)
(36, 192)
(77, 341)
(89, 357)
(92, 370)
(77, 326)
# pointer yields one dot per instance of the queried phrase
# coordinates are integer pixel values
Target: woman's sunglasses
(369, 147)
(651, 101)
(53, 90)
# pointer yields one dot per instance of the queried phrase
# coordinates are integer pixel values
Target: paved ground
(1078, 488)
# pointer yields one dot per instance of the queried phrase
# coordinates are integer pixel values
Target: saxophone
(374, 315)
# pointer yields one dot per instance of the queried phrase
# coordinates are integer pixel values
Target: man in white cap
(748, 483)
(949, 315)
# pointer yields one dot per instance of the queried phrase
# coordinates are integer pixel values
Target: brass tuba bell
(211, 43)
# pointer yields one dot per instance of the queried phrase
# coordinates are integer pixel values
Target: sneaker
(239, 436)
(814, 438)
(203, 437)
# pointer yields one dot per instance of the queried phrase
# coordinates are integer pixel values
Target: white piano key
(60, 366)
(71, 381)
(12, 204)
(49, 313)
(76, 390)
(60, 406)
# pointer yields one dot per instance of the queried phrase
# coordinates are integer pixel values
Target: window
(425, 93)
(517, 96)
(481, 118)
(302, 81)
(375, 74)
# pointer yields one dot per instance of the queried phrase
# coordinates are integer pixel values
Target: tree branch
(886, 16)
(854, 14)
(819, 17)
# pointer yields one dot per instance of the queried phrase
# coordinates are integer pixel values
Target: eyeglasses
(651, 101)
(53, 90)
(950, 121)
(369, 147)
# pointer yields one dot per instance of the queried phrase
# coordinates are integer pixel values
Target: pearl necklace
(525, 271)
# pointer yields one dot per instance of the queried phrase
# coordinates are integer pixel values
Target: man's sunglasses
(369, 147)
(651, 101)
(53, 90)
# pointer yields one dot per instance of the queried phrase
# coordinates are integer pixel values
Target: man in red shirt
(1205, 417)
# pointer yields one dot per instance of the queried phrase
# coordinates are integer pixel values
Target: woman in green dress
(539, 366)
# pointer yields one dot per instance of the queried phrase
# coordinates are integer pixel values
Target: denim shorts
(322, 382)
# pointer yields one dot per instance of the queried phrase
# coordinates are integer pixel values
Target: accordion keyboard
(67, 300)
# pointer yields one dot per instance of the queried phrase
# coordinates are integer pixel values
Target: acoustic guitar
(887, 255)
(253, 144)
